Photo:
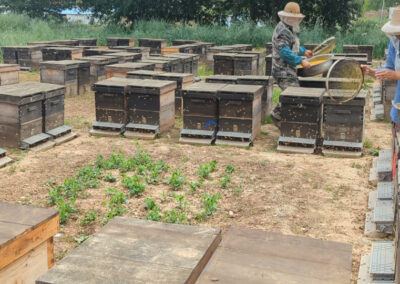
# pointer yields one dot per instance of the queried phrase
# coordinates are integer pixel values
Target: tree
(37, 8)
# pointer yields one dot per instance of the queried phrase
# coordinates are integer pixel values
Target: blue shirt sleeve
(302, 50)
(391, 57)
(290, 57)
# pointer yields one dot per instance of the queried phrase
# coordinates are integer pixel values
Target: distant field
(20, 29)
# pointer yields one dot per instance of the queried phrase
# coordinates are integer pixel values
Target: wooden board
(255, 256)
(129, 250)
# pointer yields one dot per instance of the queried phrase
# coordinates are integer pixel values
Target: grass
(20, 29)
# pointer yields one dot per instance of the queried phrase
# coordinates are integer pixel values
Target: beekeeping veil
(292, 16)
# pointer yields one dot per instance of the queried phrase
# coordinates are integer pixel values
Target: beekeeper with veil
(391, 71)
(287, 52)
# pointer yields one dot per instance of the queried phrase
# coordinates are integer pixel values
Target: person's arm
(389, 73)
(283, 44)
(391, 57)
(302, 50)
(290, 57)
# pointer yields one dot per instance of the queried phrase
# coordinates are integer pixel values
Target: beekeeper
(391, 71)
(287, 52)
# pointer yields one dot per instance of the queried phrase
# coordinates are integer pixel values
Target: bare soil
(307, 195)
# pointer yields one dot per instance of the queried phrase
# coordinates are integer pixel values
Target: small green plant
(110, 178)
(154, 210)
(134, 184)
(265, 133)
(225, 180)
(356, 166)
(81, 239)
(229, 169)
(181, 201)
(206, 169)
(268, 120)
(117, 199)
(173, 216)
(374, 152)
(194, 185)
(367, 144)
(210, 204)
(177, 180)
(89, 218)
(90, 176)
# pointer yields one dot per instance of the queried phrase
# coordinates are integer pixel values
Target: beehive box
(268, 48)
(200, 113)
(187, 48)
(369, 49)
(224, 64)
(86, 41)
(64, 72)
(26, 243)
(343, 123)
(21, 116)
(97, 66)
(165, 63)
(151, 107)
(222, 79)
(25, 56)
(242, 47)
(301, 113)
(94, 52)
(144, 51)
(120, 41)
(9, 74)
(128, 250)
(310, 46)
(268, 83)
(184, 62)
(83, 76)
(190, 62)
(268, 65)
(213, 51)
(61, 53)
(260, 61)
(184, 41)
(360, 60)
(245, 64)
(239, 114)
(120, 70)
(126, 56)
(156, 45)
(388, 93)
(320, 82)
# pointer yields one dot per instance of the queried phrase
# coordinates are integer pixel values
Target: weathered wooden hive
(64, 72)
(184, 65)
(25, 56)
(156, 45)
(320, 82)
(163, 63)
(190, 62)
(266, 101)
(120, 41)
(200, 113)
(186, 48)
(120, 70)
(301, 112)
(222, 79)
(268, 48)
(26, 245)
(142, 74)
(388, 93)
(239, 114)
(223, 64)
(183, 41)
(83, 76)
(4, 159)
(245, 64)
(309, 46)
(268, 65)
(9, 74)
(95, 52)
(360, 59)
(111, 106)
(126, 56)
(86, 41)
(260, 61)
(146, 252)
(97, 66)
(242, 47)
(368, 49)
(61, 53)
(66, 42)
(343, 124)
(24, 119)
(144, 51)
(151, 107)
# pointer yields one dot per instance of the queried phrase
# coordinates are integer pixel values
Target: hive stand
(9, 74)
(301, 111)
(254, 256)
(128, 250)
(111, 107)
(343, 124)
(239, 115)
(120, 70)
(26, 242)
(151, 107)
(200, 113)
(4, 160)
(378, 267)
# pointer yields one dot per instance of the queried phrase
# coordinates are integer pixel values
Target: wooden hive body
(26, 56)
(120, 70)
(126, 56)
(239, 112)
(144, 51)
(120, 41)
(223, 64)
(97, 66)
(245, 64)
(9, 74)
(26, 243)
(53, 106)
(156, 45)
(64, 72)
(152, 102)
(61, 53)
(301, 110)
(86, 41)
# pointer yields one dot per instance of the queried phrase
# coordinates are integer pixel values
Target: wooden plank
(27, 268)
(255, 256)
(138, 251)
(50, 252)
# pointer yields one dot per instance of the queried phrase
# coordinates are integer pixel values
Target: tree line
(330, 14)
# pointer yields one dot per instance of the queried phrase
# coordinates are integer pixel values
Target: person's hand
(306, 64)
(387, 75)
(367, 70)
(308, 54)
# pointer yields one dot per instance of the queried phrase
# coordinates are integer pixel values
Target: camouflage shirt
(283, 36)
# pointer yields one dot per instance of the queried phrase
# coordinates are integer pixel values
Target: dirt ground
(308, 195)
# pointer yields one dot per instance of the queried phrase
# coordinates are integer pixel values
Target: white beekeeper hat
(393, 26)
(292, 10)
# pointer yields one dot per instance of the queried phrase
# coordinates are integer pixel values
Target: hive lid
(9, 67)
(98, 59)
(202, 90)
(153, 39)
(337, 94)
(303, 92)
(28, 92)
(150, 86)
(129, 65)
(72, 49)
(120, 38)
(183, 55)
(181, 77)
(256, 80)
(245, 56)
(117, 84)
(62, 64)
(241, 92)
(225, 55)
(225, 78)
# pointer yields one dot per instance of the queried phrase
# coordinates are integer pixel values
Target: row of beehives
(144, 104)
(312, 120)
(239, 63)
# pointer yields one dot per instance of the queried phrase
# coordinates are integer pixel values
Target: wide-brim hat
(393, 26)
(292, 9)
